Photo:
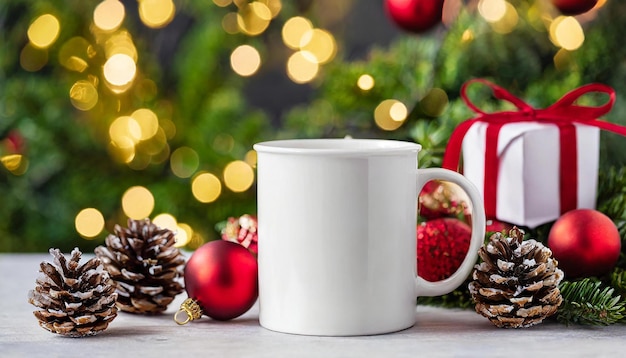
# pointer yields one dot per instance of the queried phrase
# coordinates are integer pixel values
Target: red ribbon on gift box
(564, 113)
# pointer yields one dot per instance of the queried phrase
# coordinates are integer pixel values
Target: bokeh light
(245, 60)
(83, 95)
(294, 29)
(74, 54)
(120, 42)
(254, 18)
(44, 31)
(365, 82)
(89, 223)
(17, 164)
(184, 161)
(229, 23)
(238, 176)
(319, 43)
(148, 123)
(184, 233)
(492, 10)
(125, 131)
(120, 70)
(251, 158)
(165, 221)
(435, 102)
(300, 68)
(108, 15)
(222, 3)
(508, 21)
(156, 13)
(388, 114)
(566, 32)
(206, 187)
(137, 202)
(32, 58)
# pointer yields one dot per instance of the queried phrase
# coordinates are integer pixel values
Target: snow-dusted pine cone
(145, 265)
(74, 300)
(516, 285)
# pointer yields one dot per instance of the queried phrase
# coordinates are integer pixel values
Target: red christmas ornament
(585, 242)
(440, 199)
(221, 280)
(574, 7)
(415, 15)
(242, 230)
(441, 247)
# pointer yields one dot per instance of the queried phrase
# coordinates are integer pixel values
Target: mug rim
(338, 146)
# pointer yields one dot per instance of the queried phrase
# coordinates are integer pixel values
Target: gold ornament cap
(191, 309)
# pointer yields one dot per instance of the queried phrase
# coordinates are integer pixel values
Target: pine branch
(618, 281)
(585, 302)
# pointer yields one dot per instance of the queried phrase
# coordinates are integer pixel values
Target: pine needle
(586, 302)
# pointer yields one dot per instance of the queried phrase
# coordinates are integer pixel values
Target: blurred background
(112, 109)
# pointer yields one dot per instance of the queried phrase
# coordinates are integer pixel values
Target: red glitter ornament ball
(441, 247)
(574, 7)
(415, 15)
(442, 199)
(222, 277)
(585, 242)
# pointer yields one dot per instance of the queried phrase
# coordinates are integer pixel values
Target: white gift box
(528, 192)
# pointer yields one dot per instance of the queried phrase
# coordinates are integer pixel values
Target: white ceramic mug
(337, 235)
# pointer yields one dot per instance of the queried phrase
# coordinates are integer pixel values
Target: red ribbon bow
(564, 113)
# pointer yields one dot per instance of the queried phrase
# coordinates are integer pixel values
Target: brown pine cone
(145, 265)
(74, 300)
(516, 285)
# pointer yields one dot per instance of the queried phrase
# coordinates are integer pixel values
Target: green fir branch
(586, 302)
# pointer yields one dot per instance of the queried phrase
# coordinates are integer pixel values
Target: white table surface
(439, 332)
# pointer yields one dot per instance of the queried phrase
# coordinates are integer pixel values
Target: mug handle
(427, 288)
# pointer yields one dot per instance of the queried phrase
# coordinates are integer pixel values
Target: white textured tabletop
(438, 333)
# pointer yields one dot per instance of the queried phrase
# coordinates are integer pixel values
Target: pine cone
(74, 300)
(145, 265)
(516, 285)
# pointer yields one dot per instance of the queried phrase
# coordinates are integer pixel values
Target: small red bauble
(441, 247)
(574, 7)
(497, 226)
(585, 242)
(222, 278)
(415, 15)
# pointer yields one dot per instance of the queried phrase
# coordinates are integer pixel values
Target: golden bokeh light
(184, 233)
(122, 152)
(108, 15)
(222, 3)
(125, 131)
(251, 158)
(319, 43)
(254, 18)
(294, 29)
(492, 10)
(386, 113)
(156, 13)
(300, 68)
(165, 221)
(184, 161)
(223, 143)
(148, 123)
(73, 55)
(44, 31)
(567, 33)
(245, 60)
(83, 95)
(508, 22)
(468, 35)
(274, 5)
(17, 164)
(120, 42)
(120, 70)
(89, 223)
(238, 176)
(229, 23)
(32, 58)
(137, 202)
(365, 82)
(398, 112)
(206, 187)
